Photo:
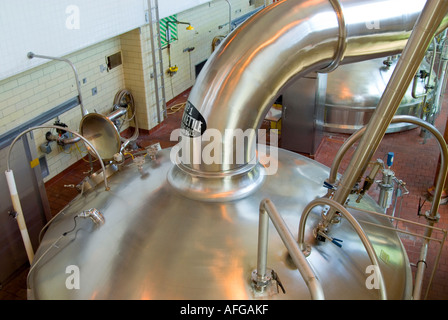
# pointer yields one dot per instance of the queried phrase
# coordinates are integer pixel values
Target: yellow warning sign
(34, 163)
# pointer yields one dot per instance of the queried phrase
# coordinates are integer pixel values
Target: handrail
(268, 210)
(362, 235)
(422, 259)
(439, 184)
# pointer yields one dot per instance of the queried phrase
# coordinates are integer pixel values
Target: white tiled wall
(133, 72)
(206, 20)
(28, 94)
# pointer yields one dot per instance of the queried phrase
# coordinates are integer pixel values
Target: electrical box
(113, 61)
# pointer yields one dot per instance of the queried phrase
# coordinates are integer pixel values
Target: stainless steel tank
(184, 230)
(354, 90)
(158, 244)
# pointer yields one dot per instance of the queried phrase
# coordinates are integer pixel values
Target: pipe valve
(322, 236)
(370, 179)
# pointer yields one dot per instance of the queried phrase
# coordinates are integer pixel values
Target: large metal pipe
(431, 17)
(250, 68)
(440, 183)
(441, 176)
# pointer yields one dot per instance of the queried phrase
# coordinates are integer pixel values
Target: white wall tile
(28, 94)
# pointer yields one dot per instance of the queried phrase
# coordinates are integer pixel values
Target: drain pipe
(32, 55)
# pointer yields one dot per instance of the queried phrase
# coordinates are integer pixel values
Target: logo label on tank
(193, 123)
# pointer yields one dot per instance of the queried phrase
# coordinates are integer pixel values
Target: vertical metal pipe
(268, 210)
(427, 24)
(421, 268)
(15, 199)
(263, 230)
(153, 54)
(230, 15)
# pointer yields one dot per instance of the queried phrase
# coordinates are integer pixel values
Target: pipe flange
(216, 187)
(261, 283)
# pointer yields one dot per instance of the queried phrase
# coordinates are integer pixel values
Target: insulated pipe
(117, 113)
(32, 55)
(248, 71)
(19, 215)
(63, 141)
(14, 194)
(431, 18)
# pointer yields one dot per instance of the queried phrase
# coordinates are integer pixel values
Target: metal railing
(426, 238)
(359, 230)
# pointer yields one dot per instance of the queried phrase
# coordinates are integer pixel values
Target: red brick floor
(415, 163)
